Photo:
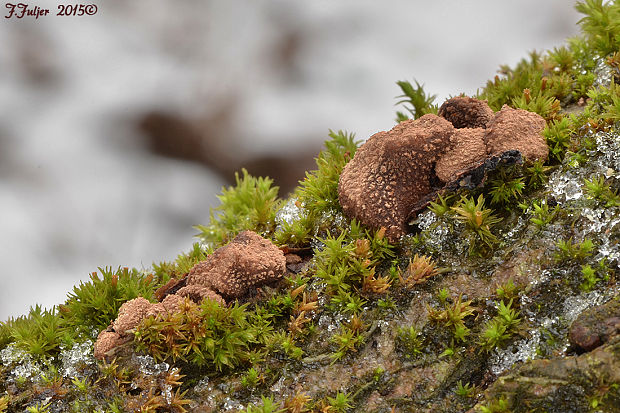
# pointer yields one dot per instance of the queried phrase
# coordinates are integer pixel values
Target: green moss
(39, 408)
(478, 220)
(340, 403)
(346, 341)
(569, 250)
(464, 390)
(503, 90)
(541, 214)
(268, 406)
(250, 205)
(453, 317)
(40, 333)
(546, 106)
(415, 100)
(603, 102)
(409, 341)
(507, 291)
(206, 335)
(89, 308)
(500, 328)
(93, 305)
(5, 334)
(601, 24)
(505, 189)
(558, 135)
(350, 263)
(598, 189)
(441, 206)
(317, 194)
(501, 405)
(539, 83)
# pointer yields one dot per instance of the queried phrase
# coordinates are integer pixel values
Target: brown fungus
(467, 149)
(197, 293)
(466, 112)
(396, 173)
(517, 129)
(392, 171)
(107, 341)
(131, 313)
(248, 261)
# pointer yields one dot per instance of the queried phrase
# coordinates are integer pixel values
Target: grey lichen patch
(393, 175)
(78, 361)
(22, 364)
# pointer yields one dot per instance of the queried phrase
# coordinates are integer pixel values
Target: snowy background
(80, 183)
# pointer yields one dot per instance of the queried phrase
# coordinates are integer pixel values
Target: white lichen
(289, 213)
(24, 367)
(149, 367)
(521, 350)
(565, 187)
(77, 361)
(425, 219)
(575, 305)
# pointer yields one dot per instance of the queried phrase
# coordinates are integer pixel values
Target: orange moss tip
(420, 269)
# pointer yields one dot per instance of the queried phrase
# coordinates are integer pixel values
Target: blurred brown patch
(210, 144)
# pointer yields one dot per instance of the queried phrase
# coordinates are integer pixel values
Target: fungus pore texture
(393, 172)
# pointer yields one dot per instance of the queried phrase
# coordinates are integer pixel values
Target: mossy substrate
(471, 311)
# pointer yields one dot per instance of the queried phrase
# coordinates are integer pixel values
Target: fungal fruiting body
(394, 172)
(247, 262)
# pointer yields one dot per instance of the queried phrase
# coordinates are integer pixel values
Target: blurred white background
(86, 101)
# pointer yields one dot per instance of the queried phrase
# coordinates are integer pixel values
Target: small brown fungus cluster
(394, 174)
(247, 262)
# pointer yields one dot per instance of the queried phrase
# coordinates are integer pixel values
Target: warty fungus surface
(247, 262)
(517, 129)
(466, 112)
(394, 174)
